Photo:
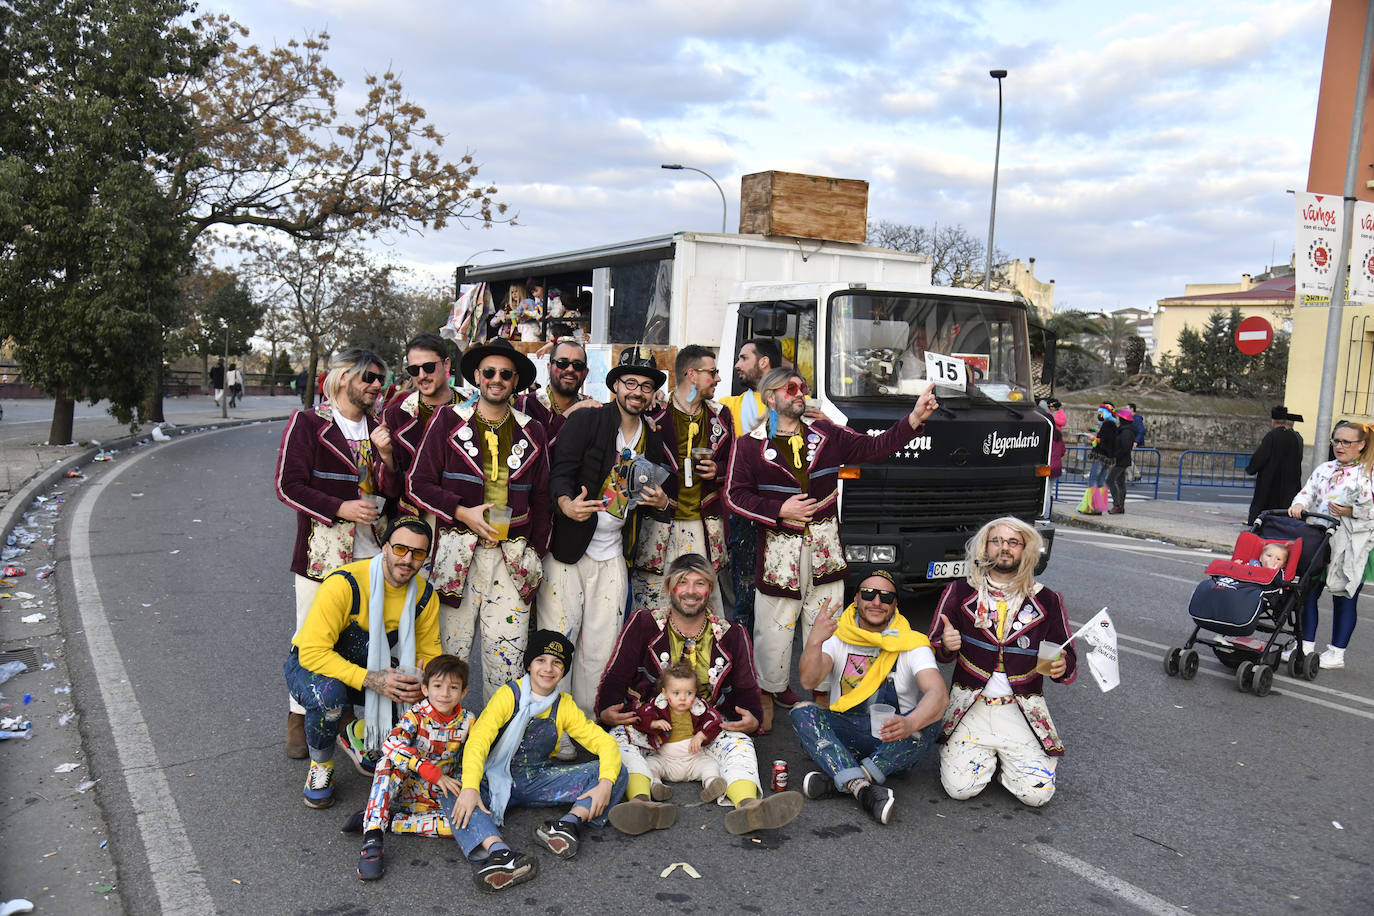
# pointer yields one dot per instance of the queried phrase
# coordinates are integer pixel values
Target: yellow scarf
(896, 639)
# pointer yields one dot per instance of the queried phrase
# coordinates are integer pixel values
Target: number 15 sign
(946, 371)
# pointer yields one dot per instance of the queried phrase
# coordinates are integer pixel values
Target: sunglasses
(879, 594)
(563, 363)
(794, 388)
(506, 374)
(421, 369)
(370, 377)
(419, 553)
(714, 373)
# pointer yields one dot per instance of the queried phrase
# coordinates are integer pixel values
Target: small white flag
(1100, 635)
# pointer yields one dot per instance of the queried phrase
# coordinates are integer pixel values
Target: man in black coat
(1276, 466)
(586, 572)
(1120, 445)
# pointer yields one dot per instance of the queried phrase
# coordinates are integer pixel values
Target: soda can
(779, 775)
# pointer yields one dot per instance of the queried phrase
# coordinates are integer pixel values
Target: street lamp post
(724, 210)
(461, 270)
(998, 75)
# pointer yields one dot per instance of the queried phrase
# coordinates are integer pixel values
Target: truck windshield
(878, 342)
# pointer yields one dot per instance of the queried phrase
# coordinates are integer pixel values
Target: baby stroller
(1240, 599)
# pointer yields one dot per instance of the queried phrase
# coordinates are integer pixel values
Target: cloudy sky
(1140, 151)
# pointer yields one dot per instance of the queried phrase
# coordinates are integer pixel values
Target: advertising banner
(1362, 254)
(1317, 237)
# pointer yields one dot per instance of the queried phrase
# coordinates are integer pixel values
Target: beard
(565, 387)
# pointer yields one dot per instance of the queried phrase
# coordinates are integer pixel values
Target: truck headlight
(883, 553)
(856, 553)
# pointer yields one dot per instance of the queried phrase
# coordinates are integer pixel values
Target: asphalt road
(1174, 796)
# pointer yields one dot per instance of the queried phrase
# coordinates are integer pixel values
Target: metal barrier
(1078, 461)
(1198, 468)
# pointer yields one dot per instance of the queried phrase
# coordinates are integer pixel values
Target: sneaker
(354, 824)
(1307, 649)
(764, 813)
(504, 869)
(370, 864)
(352, 744)
(817, 785)
(714, 789)
(1332, 657)
(319, 785)
(660, 792)
(638, 816)
(786, 699)
(559, 837)
(877, 801)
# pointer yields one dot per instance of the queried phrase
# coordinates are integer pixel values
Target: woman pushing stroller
(1343, 488)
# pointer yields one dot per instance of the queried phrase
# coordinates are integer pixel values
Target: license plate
(947, 569)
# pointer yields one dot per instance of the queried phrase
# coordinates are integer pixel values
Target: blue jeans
(842, 743)
(323, 699)
(537, 782)
(743, 544)
(1097, 474)
(1342, 617)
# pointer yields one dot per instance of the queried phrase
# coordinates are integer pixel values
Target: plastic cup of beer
(878, 714)
(498, 517)
(414, 672)
(700, 454)
(1046, 653)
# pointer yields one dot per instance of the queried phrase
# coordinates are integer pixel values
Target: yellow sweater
(735, 402)
(571, 721)
(332, 612)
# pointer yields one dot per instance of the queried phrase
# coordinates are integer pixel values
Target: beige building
(1020, 278)
(1326, 175)
(1270, 298)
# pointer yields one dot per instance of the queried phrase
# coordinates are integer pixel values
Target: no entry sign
(1254, 335)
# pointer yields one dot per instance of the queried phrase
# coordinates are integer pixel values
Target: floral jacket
(759, 482)
(1041, 618)
(315, 474)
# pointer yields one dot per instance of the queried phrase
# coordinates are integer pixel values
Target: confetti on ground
(49, 855)
(175, 552)
(939, 815)
(236, 880)
(66, 767)
(1337, 825)
(103, 889)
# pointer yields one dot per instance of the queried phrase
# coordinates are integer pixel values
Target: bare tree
(957, 258)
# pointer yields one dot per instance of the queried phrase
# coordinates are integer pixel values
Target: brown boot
(295, 737)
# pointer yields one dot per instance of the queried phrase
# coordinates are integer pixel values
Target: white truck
(857, 322)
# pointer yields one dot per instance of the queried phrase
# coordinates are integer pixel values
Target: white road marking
(1228, 675)
(171, 858)
(1175, 578)
(1124, 890)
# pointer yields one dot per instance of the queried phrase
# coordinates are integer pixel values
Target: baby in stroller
(1261, 587)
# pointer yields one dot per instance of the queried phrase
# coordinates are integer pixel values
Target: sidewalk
(1190, 524)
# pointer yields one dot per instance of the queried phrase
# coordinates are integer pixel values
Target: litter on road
(34, 618)
(65, 767)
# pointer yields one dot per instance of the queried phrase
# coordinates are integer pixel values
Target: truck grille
(939, 506)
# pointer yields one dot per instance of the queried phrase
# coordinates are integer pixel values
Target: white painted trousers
(306, 588)
(733, 752)
(683, 537)
(585, 602)
(490, 599)
(676, 762)
(775, 624)
(987, 735)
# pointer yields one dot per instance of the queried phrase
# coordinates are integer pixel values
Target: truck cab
(983, 454)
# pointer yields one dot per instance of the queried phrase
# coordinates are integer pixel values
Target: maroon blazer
(535, 405)
(402, 418)
(756, 485)
(315, 473)
(718, 436)
(705, 719)
(642, 652)
(444, 475)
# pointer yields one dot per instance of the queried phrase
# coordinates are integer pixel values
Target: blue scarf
(378, 716)
(498, 763)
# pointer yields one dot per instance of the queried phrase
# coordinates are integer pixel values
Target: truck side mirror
(769, 322)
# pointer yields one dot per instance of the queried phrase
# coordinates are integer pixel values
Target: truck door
(791, 321)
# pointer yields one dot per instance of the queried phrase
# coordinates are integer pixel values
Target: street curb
(12, 512)
(1093, 524)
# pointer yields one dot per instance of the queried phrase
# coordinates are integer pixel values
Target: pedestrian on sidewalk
(1103, 459)
(217, 380)
(1139, 424)
(1121, 458)
(1276, 466)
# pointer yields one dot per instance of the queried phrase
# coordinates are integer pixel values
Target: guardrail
(1078, 461)
(1200, 468)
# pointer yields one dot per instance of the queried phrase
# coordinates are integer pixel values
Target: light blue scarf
(498, 762)
(378, 720)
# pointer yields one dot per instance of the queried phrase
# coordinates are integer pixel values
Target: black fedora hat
(1279, 413)
(524, 369)
(636, 361)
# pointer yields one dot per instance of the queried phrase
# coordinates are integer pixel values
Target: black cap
(549, 642)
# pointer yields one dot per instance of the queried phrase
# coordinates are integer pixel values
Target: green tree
(1207, 362)
(91, 246)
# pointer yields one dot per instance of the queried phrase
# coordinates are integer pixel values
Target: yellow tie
(1002, 616)
(493, 449)
(692, 430)
(796, 443)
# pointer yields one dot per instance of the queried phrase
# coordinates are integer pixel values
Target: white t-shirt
(849, 663)
(606, 543)
(365, 544)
